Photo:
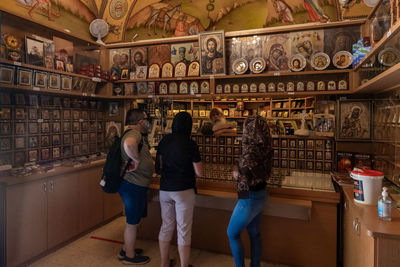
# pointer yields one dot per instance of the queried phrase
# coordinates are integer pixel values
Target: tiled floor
(87, 252)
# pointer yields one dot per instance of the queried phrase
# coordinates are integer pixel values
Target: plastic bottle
(385, 206)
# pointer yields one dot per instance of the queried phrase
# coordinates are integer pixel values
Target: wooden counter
(367, 240)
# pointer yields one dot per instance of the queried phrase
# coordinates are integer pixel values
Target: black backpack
(112, 176)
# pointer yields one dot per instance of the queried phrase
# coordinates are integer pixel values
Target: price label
(16, 63)
(277, 74)
(198, 95)
(96, 79)
(389, 33)
(179, 78)
(150, 96)
(80, 120)
(36, 88)
(93, 95)
(290, 93)
(84, 94)
(40, 120)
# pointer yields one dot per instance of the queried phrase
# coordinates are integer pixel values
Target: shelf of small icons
(24, 65)
(46, 90)
(265, 74)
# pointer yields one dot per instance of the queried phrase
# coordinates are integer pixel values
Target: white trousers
(177, 208)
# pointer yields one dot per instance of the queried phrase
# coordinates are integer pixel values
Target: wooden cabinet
(90, 199)
(26, 221)
(368, 241)
(40, 214)
(63, 208)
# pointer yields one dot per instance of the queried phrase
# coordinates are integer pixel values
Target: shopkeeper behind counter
(218, 124)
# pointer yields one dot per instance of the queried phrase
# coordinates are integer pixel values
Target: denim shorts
(135, 201)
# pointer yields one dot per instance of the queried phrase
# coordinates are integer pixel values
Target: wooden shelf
(24, 65)
(386, 81)
(394, 30)
(45, 90)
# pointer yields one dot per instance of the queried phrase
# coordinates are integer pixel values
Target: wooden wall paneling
(26, 223)
(388, 251)
(2, 222)
(63, 208)
(112, 205)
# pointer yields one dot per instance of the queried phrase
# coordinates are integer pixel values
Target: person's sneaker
(122, 253)
(137, 260)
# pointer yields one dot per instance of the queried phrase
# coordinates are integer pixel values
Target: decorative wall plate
(389, 56)
(194, 88)
(163, 88)
(180, 69)
(154, 71)
(257, 65)
(193, 69)
(342, 59)
(297, 62)
(167, 70)
(320, 61)
(173, 88)
(262, 88)
(205, 87)
(240, 66)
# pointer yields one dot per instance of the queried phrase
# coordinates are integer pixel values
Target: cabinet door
(90, 199)
(63, 208)
(26, 228)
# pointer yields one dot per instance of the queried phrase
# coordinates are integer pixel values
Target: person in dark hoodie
(178, 161)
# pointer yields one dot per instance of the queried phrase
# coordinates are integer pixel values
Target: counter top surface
(369, 216)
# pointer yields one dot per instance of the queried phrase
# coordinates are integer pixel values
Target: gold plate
(257, 65)
(320, 61)
(240, 66)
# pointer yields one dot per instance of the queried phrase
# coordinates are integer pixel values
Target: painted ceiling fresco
(153, 19)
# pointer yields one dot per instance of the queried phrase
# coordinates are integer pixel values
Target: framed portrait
(151, 88)
(33, 141)
(32, 155)
(167, 70)
(154, 71)
(142, 88)
(6, 74)
(60, 65)
(212, 47)
(54, 81)
(118, 89)
(48, 47)
(45, 127)
(20, 128)
(45, 154)
(124, 74)
(5, 143)
(276, 51)
(354, 120)
(113, 109)
(5, 128)
(193, 69)
(138, 57)
(19, 158)
(66, 82)
(40, 79)
(69, 67)
(184, 52)
(119, 59)
(141, 72)
(159, 54)
(56, 152)
(34, 51)
(20, 114)
(66, 139)
(24, 77)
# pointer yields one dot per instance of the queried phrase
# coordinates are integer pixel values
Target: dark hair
(133, 116)
(182, 124)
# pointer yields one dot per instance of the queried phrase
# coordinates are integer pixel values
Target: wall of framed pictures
(41, 128)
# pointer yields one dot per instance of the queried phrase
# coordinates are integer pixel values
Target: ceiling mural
(153, 19)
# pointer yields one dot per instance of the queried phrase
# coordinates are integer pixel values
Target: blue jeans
(247, 214)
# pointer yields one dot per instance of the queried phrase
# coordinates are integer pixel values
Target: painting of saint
(119, 59)
(354, 120)
(315, 11)
(159, 54)
(307, 43)
(182, 53)
(340, 39)
(138, 57)
(276, 51)
(212, 53)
